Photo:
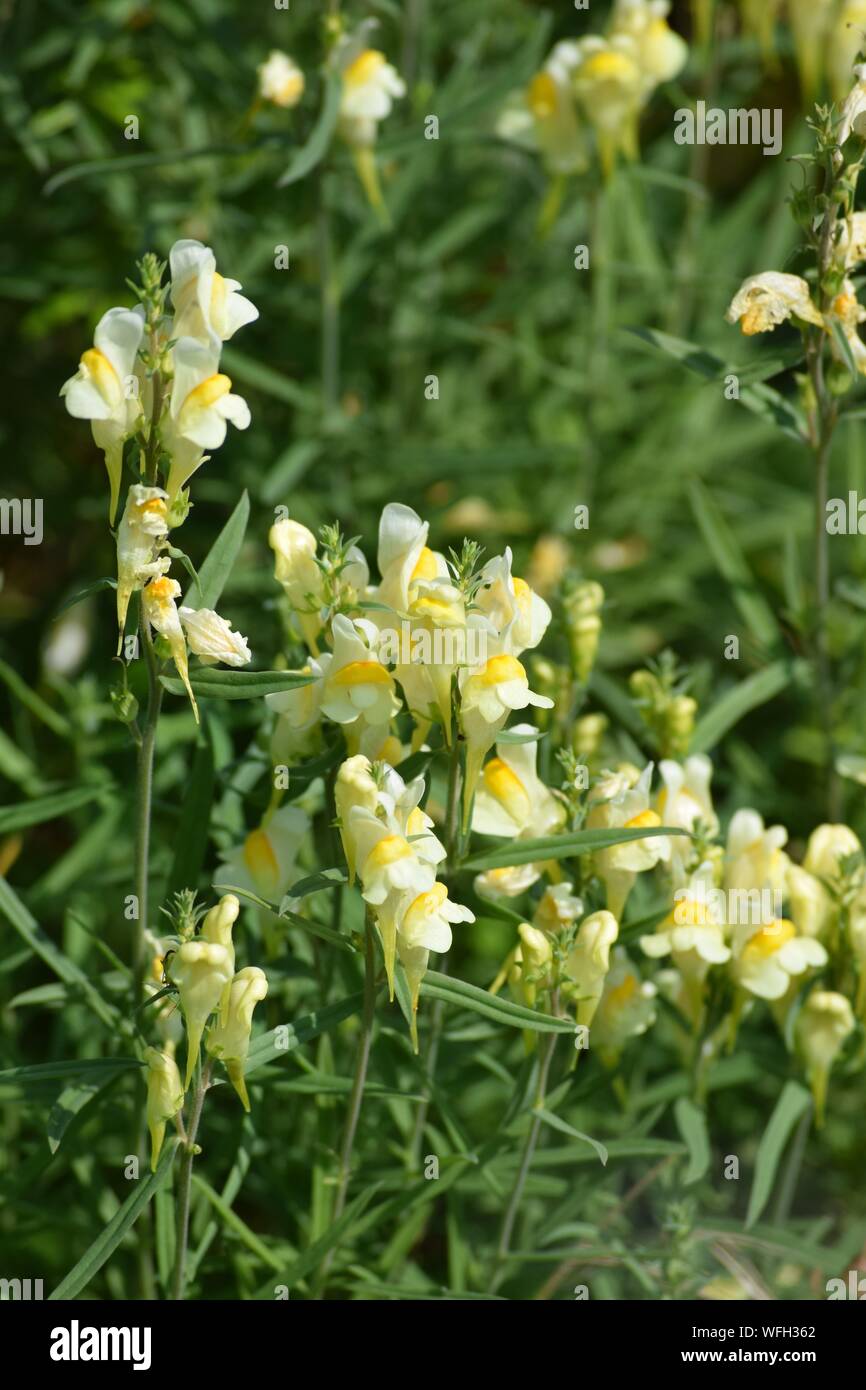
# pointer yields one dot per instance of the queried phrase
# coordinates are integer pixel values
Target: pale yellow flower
(140, 536)
(764, 301)
(164, 1096)
(211, 638)
(201, 970)
(206, 306)
(280, 79)
(229, 1039)
(105, 389)
(824, 1024)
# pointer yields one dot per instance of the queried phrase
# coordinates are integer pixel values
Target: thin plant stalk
(184, 1184)
(356, 1096)
(511, 1213)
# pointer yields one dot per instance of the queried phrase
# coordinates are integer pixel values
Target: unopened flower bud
(164, 1096)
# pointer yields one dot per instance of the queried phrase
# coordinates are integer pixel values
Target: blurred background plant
(544, 401)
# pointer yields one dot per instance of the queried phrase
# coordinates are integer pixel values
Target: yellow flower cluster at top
(603, 81)
(154, 378)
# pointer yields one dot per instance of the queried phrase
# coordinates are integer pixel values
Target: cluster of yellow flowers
(154, 377)
(827, 34)
(745, 922)
(369, 85)
(605, 80)
(202, 968)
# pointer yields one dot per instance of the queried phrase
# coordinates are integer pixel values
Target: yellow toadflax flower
(370, 85)
(229, 1039)
(104, 390)
(160, 611)
(823, 1025)
(828, 845)
(625, 1011)
(770, 956)
(764, 301)
(211, 638)
(511, 800)
(488, 695)
(206, 306)
(355, 786)
(164, 1096)
(610, 86)
(280, 79)
(202, 404)
(266, 863)
(356, 684)
(217, 929)
(622, 802)
(588, 962)
(661, 52)
(201, 970)
(423, 925)
(143, 527)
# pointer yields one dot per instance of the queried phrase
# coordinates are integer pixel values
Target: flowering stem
(144, 797)
(511, 1212)
(184, 1184)
(357, 1094)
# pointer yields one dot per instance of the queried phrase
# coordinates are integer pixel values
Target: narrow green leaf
(755, 690)
(692, 1125)
(760, 399)
(560, 846)
(69, 1105)
(733, 566)
(273, 1046)
(790, 1107)
(95, 588)
(221, 559)
(210, 682)
(564, 1127)
(110, 1237)
(312, 1258)
(465, 996)
(13, 909)
(45, 808)
(309, 155)
(233, 1222)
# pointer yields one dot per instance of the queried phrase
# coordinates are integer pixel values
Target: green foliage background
(547, 400)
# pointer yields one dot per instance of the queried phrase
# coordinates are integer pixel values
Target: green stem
(356, 1097)
(184, 1184)
(512, 1210)
(144, 800)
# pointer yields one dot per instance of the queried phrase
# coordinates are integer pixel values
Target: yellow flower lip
(644, 821)
(502, 668)
(104, 376)
(769, 940)
(161, 588)
(208, 391)
(608, 65)
(362, 673)
(364, 67)
(425, 567)
(259, 856)
(507, 788)
(427, 904)
(621, 994)
(541, 98)
(388, 851)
